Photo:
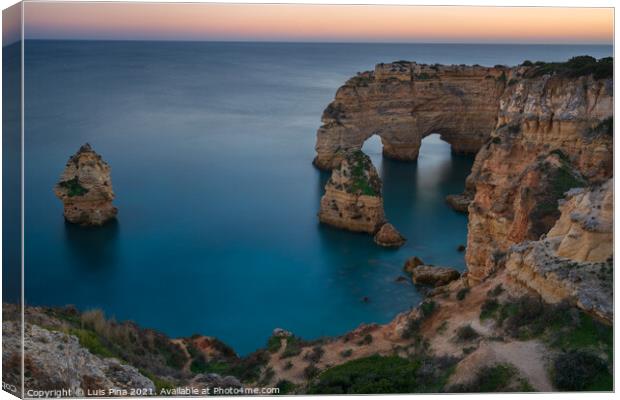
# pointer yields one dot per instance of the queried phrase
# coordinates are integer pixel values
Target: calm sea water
(210, 146)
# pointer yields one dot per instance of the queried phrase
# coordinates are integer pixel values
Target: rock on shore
(85, 189)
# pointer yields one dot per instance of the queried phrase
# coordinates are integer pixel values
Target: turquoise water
(210, 146)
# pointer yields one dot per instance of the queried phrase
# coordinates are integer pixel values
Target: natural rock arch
(404, 102)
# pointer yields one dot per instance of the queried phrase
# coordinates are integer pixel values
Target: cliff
(403, 102)
(538, 130)
(574, 261)
(553, 134)
(85, 189)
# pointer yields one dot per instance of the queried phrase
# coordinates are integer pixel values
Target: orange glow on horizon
(159, 21)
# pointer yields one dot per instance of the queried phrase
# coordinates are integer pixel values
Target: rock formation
(388, 236)
(352, 198)
(538, 130)
(403, 102)
(553, 134)
(574, 261)
(55, 360)
(85, 189)
(433, 275)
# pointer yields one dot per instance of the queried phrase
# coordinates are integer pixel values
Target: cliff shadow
(93, 247)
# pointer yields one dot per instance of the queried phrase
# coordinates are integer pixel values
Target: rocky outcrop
(574, 262)
(538, 129)
(85, 189)
(553, 134)
(433, 275)
(403, 102)
(56, 361)
(411, 263)
(459, 202)
(352, 198)
(388, 236)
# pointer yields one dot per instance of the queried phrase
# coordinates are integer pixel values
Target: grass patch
(91, 341)
(361, 181)
(73, 187)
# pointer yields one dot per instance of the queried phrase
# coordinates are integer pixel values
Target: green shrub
(461, 294)
(285, 386)
(311, 371)
(73, 187)
(488, 309)
(374, 374)
(428, 308)
(496, 291)
(466, 333)
(293, 347)
(274, 343)
(315, 355)
(579, 370)
(495, 378)
(346, 353)
(366, 340)
(575, 67)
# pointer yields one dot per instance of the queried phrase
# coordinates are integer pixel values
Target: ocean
(210, 146)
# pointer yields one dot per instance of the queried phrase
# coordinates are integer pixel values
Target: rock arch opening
(405, 104)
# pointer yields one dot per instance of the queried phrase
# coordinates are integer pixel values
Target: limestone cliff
(574, 261)
(553, 134)
(85, 189)
(538, 130)
(403, 102)
(352, 198)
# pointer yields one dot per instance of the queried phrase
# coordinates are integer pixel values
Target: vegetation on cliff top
(384, 374)
(362, 180)
(584, 345)
(575, 67)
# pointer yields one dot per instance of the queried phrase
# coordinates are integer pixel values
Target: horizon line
(311, 42)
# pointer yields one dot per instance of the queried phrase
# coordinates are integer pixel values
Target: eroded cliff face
(536, 135)
(574, 262)
(553, 134)
(352, 198)
(403, 102)
(85, 189)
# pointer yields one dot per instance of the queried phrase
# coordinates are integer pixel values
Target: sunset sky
(318, 23)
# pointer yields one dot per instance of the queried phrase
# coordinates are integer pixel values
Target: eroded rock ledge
(574, 262)
(85, 189)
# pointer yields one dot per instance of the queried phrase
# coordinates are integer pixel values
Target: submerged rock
(411, 263)
(85, 189)
(432, 275)
(388, 236)
(459, 202)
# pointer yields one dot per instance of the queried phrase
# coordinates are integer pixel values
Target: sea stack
(85, 189)
(352, 198)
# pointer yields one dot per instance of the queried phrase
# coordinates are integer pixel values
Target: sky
(318, 23)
